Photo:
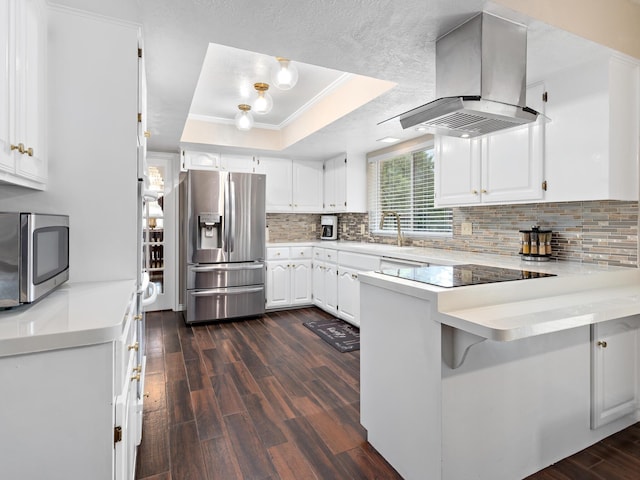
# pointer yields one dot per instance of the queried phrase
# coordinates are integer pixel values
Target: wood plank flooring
(267, 399)
(257, 399)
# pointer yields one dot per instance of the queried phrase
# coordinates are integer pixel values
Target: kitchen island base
(509, 410)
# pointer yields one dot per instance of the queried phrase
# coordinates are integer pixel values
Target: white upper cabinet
(238, 163)
(502, 167)
(23, 159)
(345, 184)
(307, 186)
(592, 138)
(292, 185)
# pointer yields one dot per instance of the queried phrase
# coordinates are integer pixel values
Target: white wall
(92, 122)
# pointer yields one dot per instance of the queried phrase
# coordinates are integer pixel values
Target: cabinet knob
(354, 276)
(137, 317)
(135, 377)
(484, 191)
(602, 343)
(135, 346)
(138, 369)
(474, 192)
(19, 147)
(147, 134)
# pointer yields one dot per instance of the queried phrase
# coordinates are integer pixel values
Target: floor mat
(339, 334)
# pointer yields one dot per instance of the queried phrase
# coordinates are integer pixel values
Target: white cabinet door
(345, 184)
(279, 183)
(307, 186)
(301, 282)
(614, 370)
(23, 87)
(512, 165)
(592, 140)
(349, 295)
(318, 284)
(193, 160)
(278, 284)
(237, 163)
(457, 170)
(331, 288)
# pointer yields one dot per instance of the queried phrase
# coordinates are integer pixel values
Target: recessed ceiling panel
(228, 76)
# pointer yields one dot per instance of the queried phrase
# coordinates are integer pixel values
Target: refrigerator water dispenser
(210, 226)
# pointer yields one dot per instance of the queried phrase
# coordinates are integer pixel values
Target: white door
(279, 183)
(160, 240)
(331, 288)
(318, 283)
(278, 284)
(301, 274)
(348, 296)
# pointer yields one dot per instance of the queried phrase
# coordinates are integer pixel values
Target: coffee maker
(328, 227)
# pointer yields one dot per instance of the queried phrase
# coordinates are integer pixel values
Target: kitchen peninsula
(500, 380)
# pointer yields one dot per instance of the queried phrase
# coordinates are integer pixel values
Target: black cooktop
(462, 275)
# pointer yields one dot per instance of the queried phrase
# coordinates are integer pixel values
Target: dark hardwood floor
(267, 399)
(257, 399)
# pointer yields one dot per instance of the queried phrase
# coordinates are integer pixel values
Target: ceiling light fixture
(388, 139)
(285, 75)
(264, 103)
(244, 119)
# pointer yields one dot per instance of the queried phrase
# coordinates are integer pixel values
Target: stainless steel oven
(34, 256)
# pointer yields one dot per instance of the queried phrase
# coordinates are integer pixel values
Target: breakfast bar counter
(497, 381)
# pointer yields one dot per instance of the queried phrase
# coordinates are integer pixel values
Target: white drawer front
(277, 253)
(301, 252)
(358, 261)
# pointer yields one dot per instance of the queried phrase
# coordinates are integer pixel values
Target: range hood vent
(481, 75)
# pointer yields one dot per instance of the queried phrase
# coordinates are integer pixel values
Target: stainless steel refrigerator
(224, 220)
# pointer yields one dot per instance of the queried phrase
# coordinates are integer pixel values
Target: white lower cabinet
(72, 412)
(325, 279)
(615, 375)
(289, 277)
(349, 295)
(349, 265)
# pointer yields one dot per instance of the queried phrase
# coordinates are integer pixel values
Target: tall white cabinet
(23, 148)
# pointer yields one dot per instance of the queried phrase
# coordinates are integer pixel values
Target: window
(404, 183)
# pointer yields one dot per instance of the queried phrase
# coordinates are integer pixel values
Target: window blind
(405, 184)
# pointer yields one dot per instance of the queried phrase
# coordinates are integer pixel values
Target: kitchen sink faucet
(386, 213)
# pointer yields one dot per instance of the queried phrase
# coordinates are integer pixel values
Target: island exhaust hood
(481, 75)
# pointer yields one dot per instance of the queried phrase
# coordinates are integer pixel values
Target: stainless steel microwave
(34, 256)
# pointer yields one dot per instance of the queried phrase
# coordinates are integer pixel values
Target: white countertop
(76, 314)
(580, 294)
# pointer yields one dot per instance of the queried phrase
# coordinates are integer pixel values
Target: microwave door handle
(232, 211)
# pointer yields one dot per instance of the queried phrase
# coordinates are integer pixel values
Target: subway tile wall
(602, 232)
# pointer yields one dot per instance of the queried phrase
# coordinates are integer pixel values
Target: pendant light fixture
(244, 119)
(285, 75)
(264, 103)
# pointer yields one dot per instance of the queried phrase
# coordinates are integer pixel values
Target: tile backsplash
(603, 232)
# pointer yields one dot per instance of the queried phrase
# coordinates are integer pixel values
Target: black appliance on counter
(448, 276)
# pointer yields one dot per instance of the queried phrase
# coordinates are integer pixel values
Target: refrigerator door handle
(226, 268)
(232, 211)
(226, 291)
(227, 217)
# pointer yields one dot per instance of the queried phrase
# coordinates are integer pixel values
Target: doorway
(159, 241)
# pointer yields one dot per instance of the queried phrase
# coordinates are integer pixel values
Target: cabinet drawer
(125, 347)
(301, 252)
(358, 261)
(330, 255)
(318, 254)
(277, 253)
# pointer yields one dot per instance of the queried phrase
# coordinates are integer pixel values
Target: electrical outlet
(467, 228)
(362, 229)
(313, 227)
(344, 228)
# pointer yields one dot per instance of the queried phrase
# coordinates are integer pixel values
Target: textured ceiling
(387, 39)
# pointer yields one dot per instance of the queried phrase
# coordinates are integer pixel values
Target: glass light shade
(244, 119)
(284, 75)
(263, 104)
